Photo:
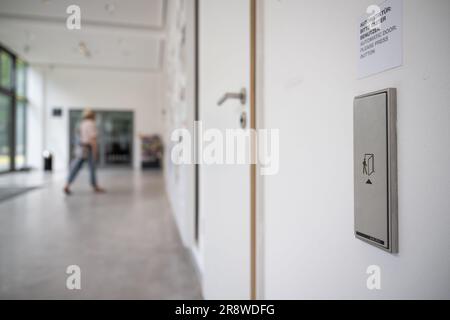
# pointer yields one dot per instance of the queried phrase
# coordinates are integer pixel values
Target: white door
(224, 64)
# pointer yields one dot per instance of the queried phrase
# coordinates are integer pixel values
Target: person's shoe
(99, 190)
(67, 191)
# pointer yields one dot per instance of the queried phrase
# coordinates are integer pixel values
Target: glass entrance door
(115, 137)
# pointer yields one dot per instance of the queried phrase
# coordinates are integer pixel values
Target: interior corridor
(250, 150)
(125, 241)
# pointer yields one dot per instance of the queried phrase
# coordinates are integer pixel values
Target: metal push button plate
(375, 169)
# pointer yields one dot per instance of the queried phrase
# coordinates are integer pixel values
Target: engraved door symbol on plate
(368, 165)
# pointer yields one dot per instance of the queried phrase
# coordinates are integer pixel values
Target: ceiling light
(84, 50)
(110, 8)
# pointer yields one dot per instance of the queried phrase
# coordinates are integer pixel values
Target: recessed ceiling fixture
(84, 50)
(110, 8)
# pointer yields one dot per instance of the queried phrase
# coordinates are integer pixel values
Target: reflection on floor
(10, 192)
(125, 241)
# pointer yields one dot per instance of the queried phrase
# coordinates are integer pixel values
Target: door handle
(242, 96)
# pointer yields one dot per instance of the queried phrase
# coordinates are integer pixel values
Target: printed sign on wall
(380, 38)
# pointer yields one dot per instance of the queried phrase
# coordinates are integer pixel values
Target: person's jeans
(77, 164)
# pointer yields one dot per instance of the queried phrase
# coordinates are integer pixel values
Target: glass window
(6, 67)
(5, 133)
(21, 111)
(21, 69)
(13, 101)
(20, 159)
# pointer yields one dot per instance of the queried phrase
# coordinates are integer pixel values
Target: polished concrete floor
(124, 241)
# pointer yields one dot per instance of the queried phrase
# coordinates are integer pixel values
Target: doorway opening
(115, 137)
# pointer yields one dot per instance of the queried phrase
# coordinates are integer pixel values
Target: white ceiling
(119, 34)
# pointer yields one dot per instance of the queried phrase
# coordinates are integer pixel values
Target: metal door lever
(242, 96)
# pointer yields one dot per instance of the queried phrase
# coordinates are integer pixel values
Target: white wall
(310, 58)
(97, 89)
(179, 108)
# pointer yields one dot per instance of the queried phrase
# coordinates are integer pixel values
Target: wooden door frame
(196, 119)
(253, 166)
(258, 122)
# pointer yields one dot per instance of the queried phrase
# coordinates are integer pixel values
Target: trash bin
(48, 161)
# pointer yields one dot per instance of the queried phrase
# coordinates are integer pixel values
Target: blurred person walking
(86, 150)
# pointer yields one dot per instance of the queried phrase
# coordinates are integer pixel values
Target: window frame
(12, 71)
(12, 94)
